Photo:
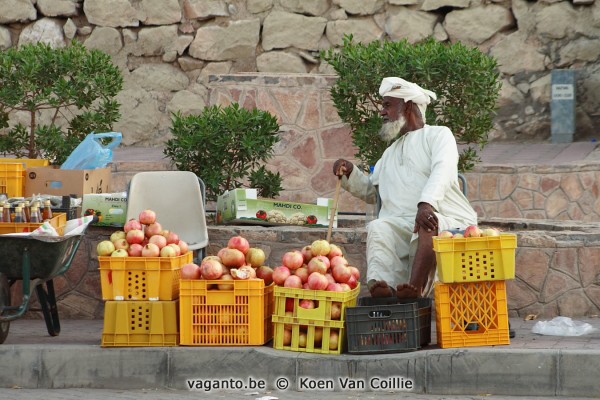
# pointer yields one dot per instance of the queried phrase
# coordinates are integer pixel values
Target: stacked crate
(470, 299)
(142, 300)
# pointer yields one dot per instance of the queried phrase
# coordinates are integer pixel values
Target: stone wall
(556, 265)
(166, 49)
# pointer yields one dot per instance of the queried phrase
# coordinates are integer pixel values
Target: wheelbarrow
(35, 260)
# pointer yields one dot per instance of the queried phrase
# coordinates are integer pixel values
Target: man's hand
(425, 218)
(342, 167)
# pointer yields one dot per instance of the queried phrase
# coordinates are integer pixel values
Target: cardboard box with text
(64, 182)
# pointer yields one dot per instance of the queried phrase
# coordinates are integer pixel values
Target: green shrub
(73, 83)
(225, 147)
(465, 80)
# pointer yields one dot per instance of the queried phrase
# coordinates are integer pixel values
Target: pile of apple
(318, 266)
(470, 231)
(236, 261)
(143, 237)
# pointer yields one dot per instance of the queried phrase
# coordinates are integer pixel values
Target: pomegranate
(289, 305)
(119, 253)
(147, 217)
(445, 234)
(318, 334)
(233, 258)
(302, 339)
(152, 229)
(334, 340)
(334, 287)
(352, 282)
(280, 274)
(293, 281)
(341, 274)
(330, 278)
(320, 247)
(132, 224)
(334, 251)
(211, 269)
(150, 250)
(472, 231)
(121, 244)
(135, 236)
(183, 246)
(293, 259)
(135, 250)
(225, 286)
(221, 251)
(265, 273)
(307, 303)
(116, 235)
(287, 337)
(167, 251)
(158, 240)
(105, 248)
(338, 260)
(336, 310)
(317, 281)
(302, 272)
(190, 271)
(345, 287)
(172, 238)
(317, 265)
(240, 243)
(306, 253)
(243, 273)
(490, 232)
(355, 272)
(255, 257)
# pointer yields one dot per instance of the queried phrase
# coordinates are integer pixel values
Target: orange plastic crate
(25, 163)
(141, 278)
(471, 314)
(310, 321)
(236, 317)
(479, 259)
(11, 179)
(58, 221)
(140, 323)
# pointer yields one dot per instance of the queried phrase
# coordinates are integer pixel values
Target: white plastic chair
(178, 198)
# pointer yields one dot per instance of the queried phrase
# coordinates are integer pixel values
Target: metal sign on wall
(563, 106)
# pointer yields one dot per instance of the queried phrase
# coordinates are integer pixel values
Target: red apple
(158, 240)
(240, 243)
(135, 250)
(293, 259)
(135, 236)
(150, 250)
(132, 224)
(147, 217)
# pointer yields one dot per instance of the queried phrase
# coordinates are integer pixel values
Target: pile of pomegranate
(143, 237)
(236, 261)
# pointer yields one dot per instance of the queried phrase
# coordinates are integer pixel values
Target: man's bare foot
(407, 291)
(381, 289)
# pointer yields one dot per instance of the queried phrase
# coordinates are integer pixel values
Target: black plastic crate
(387, 325)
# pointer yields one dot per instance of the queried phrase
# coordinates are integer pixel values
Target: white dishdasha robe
(420, 166)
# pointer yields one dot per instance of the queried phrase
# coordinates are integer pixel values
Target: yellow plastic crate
(489, 258)
(471, 314)
(58, 221)
(140, 323)
(11, 179)
(302, 321)
(237, 317)
(141, 278)
(25, 163)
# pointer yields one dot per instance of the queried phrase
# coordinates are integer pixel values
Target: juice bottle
(47, 212)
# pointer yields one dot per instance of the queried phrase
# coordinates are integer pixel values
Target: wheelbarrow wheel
(4, 302)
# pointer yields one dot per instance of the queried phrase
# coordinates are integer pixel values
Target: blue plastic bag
(91, 153)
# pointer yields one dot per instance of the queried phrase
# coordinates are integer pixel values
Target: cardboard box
(111, 208)
(59, 182)
(242, 206)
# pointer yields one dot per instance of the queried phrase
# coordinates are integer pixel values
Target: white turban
(408, 91)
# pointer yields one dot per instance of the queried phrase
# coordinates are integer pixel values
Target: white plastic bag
(562, 326)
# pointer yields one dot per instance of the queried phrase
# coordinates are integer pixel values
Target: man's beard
(391, 130)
